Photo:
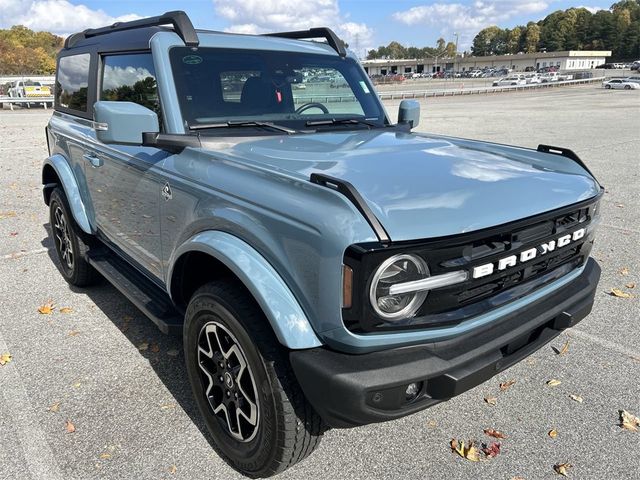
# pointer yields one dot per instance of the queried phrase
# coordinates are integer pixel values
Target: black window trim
(91, 90)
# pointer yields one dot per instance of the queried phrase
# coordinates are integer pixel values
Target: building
(567, 60)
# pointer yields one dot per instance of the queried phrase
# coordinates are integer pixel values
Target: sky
(364, 24)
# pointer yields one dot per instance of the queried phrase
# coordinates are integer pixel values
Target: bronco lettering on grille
(527, 255)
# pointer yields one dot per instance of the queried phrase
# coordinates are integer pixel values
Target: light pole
(455, 58)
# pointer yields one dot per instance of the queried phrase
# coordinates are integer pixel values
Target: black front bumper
(349, 390)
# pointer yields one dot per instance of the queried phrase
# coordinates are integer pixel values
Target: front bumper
(350, 390)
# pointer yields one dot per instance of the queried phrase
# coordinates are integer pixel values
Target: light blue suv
(326, 267)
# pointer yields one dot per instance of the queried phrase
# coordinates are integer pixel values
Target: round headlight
(397, 269)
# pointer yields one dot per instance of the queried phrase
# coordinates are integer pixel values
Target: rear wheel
(627, 87)
(243, 384)
(608, 87)
(70, 242)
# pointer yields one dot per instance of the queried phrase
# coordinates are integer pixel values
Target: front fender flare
(288, 320)
(71, 190)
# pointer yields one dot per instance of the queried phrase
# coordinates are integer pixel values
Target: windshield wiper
(249, 123)
(340, 121)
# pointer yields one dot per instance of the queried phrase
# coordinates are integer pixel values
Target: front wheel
(70, 243)
(242, 381)
(608, 87)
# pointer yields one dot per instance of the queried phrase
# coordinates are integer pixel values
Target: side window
(72, 82)
(130, 78)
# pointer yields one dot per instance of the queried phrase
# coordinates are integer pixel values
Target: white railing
(11, 101)
(478, 90)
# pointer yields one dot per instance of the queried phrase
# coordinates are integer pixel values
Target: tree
(25, 52)
(531, 37)
(486, 41)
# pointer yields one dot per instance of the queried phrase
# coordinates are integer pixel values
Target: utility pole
(455, 59)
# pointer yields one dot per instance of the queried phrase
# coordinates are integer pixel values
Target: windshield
(286, 88)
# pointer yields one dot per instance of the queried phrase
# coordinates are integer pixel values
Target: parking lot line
(613, 346)
(37, 453)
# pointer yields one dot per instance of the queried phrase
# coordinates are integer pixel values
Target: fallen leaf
(74, 333)
(628, 421)
(616, 292)
(7, 214)
(630, 285)
(105, 456)
(576, 398)
(55, 408)
(553, 433)
(562, 350)
(432, 424)
(143, 346)
(553, 382)
(507, 385)
(494, 433)
(491, 400)
(619, 205)
(172, 469)
(65, 310)
(624, 271)
(76, 385)
(5, 358)
(155, 348)
(70, 427)
(491, 450)
(46, 309)
(167, 406)
(562, 468)
(470, 452)
(13, 234)
(173, 352)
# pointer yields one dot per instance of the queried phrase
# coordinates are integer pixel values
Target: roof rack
(322, 32)
(179, 19)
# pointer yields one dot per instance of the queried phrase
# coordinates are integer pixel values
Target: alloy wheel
(228, 382)
(63, 238)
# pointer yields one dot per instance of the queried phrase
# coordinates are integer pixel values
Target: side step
(142, 292)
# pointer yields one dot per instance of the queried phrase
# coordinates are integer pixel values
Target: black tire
(74, 267)
(287, 429)
(608, 87)
(627, 87)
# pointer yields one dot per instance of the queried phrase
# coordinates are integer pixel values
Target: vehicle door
(123, 181)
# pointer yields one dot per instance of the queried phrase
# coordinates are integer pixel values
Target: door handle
(93, 159)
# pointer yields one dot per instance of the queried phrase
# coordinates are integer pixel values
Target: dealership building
(568, 60)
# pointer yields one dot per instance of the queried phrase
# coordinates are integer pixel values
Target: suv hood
(423, 186)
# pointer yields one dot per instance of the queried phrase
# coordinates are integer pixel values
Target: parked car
(509, 81)
(532, 78)
(620, 84)
(582, 75)
(606, 66)
(295, 243)
(635, 79)
(635, 65)
(549, 77)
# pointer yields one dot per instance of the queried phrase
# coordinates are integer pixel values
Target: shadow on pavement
(164, 353)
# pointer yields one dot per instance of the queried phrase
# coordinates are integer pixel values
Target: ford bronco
(325, 266)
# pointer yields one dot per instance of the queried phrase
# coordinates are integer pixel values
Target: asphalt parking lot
(106, 369)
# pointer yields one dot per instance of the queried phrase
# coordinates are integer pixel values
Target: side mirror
(409, 113)
(123, 122)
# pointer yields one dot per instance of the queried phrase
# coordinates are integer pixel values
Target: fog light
(412, 391)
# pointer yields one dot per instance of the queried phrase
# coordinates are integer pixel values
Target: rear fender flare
(287, 319)
(70, 186)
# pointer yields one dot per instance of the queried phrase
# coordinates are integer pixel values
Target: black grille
(453, 304)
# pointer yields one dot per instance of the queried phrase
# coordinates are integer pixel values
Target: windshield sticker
(192, 59)
(365, 89)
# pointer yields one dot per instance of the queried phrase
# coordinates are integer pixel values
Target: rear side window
(130, 78)
(72, 82)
